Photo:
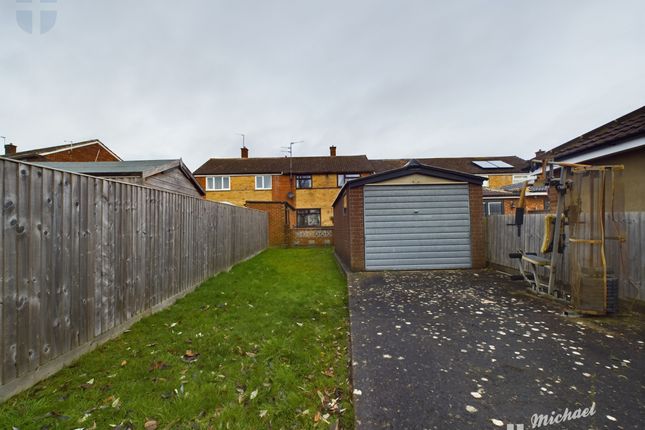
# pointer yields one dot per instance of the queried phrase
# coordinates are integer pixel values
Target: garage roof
(411, 167)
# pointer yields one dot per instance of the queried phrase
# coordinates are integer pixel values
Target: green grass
(276, 324)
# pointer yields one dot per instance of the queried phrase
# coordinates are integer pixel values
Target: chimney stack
(245, 152)
(539, 153)
(332, 151)
(10, 149)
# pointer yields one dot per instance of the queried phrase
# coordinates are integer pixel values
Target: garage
(417, 217)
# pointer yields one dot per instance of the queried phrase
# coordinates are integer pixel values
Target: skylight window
(492, 164)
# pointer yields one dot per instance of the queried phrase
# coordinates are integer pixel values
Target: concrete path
(472, 350)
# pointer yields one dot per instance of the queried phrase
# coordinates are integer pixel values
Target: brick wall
(341, 231)
(85, 153)
(532, 204)
(356, 229)
(278, 220)
(311, 236)
(478, 246)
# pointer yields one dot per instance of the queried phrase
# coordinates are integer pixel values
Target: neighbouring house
(167, 175)
(89, 150)
(621, 141)
(496, 171)
(503, 179)
(296, 191)
(412, 217)
(504, 200)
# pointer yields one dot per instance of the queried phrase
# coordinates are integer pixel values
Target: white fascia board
(602, 152)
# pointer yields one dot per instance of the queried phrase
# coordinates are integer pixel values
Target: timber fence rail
(628, 266)
(83, 258)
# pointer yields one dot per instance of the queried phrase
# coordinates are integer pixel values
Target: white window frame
(488, 204)
(263, 179)
(210, 183)
(343, 178)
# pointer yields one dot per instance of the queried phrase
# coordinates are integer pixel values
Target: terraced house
(298, 192)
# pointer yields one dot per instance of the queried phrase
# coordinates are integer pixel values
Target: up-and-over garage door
(417, 227)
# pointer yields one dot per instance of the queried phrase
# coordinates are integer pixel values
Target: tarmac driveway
(473, 350)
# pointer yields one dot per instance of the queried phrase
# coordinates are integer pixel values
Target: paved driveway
(472, 350)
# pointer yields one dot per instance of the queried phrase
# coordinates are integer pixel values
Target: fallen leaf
(124, 362)
(116, 403)
(317, 417)
(151, 425)
(190, 356)
(157, 365)
(263, 412)
(254, 394)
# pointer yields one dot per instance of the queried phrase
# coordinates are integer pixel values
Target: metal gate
(410, 227)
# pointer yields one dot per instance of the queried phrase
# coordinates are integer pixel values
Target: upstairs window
(308, 218)
(344, 178)
(304, 181)
(263, 182)
(218, 183)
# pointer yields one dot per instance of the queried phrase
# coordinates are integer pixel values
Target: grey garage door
(417, 227)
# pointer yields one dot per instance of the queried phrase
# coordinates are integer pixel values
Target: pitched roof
(491, 192)
(459, 164)
(626, 127)
(411, 167)
(300, 165)
(518, 187)
(116, 168)
(143, 168)
(58, 148)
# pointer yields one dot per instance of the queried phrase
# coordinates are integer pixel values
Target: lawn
(262, 346)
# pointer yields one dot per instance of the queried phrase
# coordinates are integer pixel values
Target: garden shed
(416, 217)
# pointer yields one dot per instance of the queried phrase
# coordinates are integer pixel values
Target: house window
(344, 178)
(218, 183)
(493, 208)
(308, 218)
(263, 182)
(304, 181)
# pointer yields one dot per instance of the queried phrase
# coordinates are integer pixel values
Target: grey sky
(397, 78)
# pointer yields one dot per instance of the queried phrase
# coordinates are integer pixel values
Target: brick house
(413, 217)
(89, 150)
(297, 191)
(619, 142)
(503, 178)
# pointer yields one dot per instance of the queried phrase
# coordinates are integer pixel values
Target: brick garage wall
(355, 210)
(341, 231)
(477, 226)
(278, 222)
(85, 153)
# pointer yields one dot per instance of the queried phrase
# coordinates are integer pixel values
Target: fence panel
(628, 265)
(82, 258)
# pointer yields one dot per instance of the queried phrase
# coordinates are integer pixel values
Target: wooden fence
(82, 258)
(628, 265)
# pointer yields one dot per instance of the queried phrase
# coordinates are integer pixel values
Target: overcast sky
(397, 78)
